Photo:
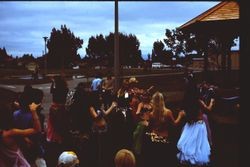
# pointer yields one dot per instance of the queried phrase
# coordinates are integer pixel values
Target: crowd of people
(100, 127)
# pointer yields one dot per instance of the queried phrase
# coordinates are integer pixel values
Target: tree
(175, 41)
(27, 57)
(3, 55)
(160, 54)
(157, 52)
(101, 49)
(97, 48)
(179, 43)
(63, 46)
(129, 50)
(5, 59)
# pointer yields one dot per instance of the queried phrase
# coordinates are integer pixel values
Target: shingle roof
(226, 10)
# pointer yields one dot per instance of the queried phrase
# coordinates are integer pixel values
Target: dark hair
(36, 95)
(79, 116)
(95, 100)
(25, 97)
(59, 93)
(191, 101)
(60, 82)
(98, 75)
(29, 96)
(7, 108)
(145, 97)
(6, 116)
(81, 95)
(24, 100)
(109, 75)
(27, 88)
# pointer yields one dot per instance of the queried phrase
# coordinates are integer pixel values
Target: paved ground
(72, 83)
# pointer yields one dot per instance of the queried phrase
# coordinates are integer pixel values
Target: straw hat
(133, 80)
(68, 159)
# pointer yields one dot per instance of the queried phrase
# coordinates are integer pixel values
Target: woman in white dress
(193, 144)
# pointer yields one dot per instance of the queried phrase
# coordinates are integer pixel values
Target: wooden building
(221, 21)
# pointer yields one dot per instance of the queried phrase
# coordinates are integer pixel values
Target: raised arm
(138, 111)
(207, 108)
(93, 112)
(176, 121)
(113, 105)
(26, 132)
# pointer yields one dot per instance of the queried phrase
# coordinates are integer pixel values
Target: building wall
(198, 63)
(235, 59)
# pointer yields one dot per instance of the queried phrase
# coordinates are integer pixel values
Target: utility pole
(116, 49)
(45, 55)
(62, 68)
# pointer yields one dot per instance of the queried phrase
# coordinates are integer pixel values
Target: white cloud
(23, 24)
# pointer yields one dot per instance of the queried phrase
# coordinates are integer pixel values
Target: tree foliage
(160, 54)
(97, 49)
(175, 45)
(184, 43)
(3, 55)
(63, 46)
(28, 57)
(179, 43)
(5, 59)
(101, 49)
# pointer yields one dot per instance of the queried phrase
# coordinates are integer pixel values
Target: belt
(157, 138)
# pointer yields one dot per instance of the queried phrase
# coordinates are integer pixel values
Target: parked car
(179, 66)
(75, 67)
(159, 65)
(156, 65)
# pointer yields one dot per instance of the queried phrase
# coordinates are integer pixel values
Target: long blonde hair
(158, 106)
(125, 158)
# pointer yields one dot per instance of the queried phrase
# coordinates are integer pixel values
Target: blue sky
(23, 24)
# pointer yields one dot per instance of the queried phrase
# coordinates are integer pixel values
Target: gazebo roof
(224, 12)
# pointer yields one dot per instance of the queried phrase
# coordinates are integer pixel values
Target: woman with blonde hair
(158, 148)
(125, 158)
(161, 117)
